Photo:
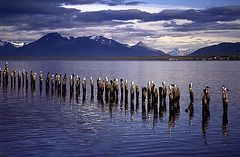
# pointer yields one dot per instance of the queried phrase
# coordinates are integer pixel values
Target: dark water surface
(34, 123)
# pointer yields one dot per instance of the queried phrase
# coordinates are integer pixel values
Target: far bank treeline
(55, 46)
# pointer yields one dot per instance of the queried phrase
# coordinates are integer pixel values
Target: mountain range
(220, 49)
(55, 45)
(180, 52)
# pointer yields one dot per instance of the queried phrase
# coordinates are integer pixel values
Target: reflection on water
(42, 118)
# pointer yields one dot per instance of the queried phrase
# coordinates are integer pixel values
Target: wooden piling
(19, 79)
(137, 92)
(56, 81)
(99, 87)
(107, 88)
(126, 91)
(40, 79)
(84, 87)
(225, 99)
(144, 94)
(34, 80)
(52, 82)
(116, 89)
(15, 77)
(12, 74)
(149, 91)
(112, 93)
(78, 82)
(23, 77)
(92, 87)
(205, 100)
(27, 80)
(64, 84)
(132, 91)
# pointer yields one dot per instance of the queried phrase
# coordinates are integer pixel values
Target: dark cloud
(45, 14)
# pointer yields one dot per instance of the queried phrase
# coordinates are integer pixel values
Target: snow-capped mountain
(55, 45)
(18, 44)
(180, 52)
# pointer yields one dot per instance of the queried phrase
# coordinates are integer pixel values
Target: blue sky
(195, 3)
(161, 24)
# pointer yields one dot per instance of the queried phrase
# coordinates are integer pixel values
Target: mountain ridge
(55, 45)
(180, 52)
(219, 49)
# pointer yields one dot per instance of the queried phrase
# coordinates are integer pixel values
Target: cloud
(31, 19)
(28, 15)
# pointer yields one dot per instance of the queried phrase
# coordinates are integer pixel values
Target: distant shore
(169, 58)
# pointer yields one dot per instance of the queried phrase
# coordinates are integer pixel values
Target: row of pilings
(110, 90)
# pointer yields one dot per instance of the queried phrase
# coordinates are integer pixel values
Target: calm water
(34, 123)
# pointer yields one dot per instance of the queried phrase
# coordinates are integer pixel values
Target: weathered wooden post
(19, 79)
(112, 92)
(27, 80)
(72, 85)
(15, 77)
(52, 82)
(47, 81)
(164, 92)
(132, 95)
(171, 102)
(121, 86)
(7, 73)
(116, 88)
(160, 95)
(153, 93)
(178, 97)
(12, 74)
(107, 88)
(149, 91)
(191, 94)
(31, 74)
(205, 100)
(92, 87)
(132, 91)
(23, 78)
(225, 111)
(156, 96)
(78, 82)
(126, 91)
(34, 80)
(137, 92)
(40, 80)
(59, 84)
(84, 87)
(64, 85)
(56, 81)
(99, 86)
(225, 98)
(102, 90)
(144, 94)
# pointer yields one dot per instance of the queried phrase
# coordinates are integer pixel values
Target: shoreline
(136, 58)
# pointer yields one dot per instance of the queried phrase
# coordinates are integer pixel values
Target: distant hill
(143, 48)
(6, 47)
(178, 52)
(220, 49)
(54, 45)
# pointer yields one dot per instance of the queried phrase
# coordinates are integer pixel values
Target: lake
(35, 122)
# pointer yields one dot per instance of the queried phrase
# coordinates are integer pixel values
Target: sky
(161, 24)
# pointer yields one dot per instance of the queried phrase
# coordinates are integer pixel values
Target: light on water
(36, 122)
